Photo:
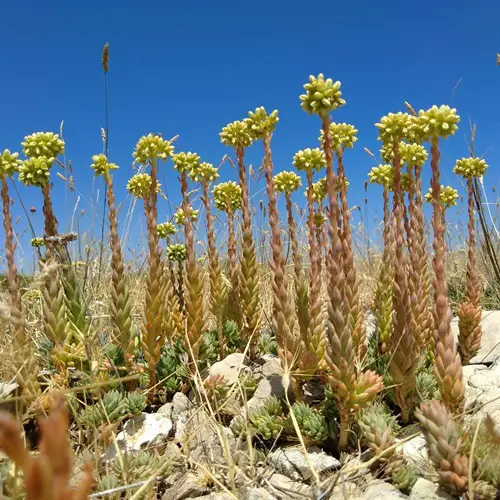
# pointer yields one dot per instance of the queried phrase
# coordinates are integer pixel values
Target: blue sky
(190, 67)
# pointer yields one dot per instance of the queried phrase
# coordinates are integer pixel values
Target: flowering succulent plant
(413, 154)
(180, 218)
(43, 144)
(343, 135)
(438, 122)
(260, 124)
(9, 163)
(236, 134)
(35, 171)
(186, 162)
(470, 167)
(101, 166)
(227, 196)
(140, 185)
(37, 242)
(203, 172)
(394, 126)
(177, 252)
(322, 96)
(447, 196)
(309, 160)
(166, 229)
(287, 182)
(151, 147)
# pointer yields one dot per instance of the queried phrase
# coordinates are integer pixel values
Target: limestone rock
(415, 450)
(292, 462)
(188, 486)
(230, 367)
(8, 390)
(380, 490)
(268, 386)
(180, 404)
(258, 494)
(427, 490)
(285, 488)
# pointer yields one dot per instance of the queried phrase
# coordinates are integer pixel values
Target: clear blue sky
(190, 67)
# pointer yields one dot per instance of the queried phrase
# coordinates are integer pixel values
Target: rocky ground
(214, 459)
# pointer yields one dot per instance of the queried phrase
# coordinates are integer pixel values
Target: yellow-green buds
(322, 96)
(45, 144)
(140, 185)
(320, 218)
(394, 126)
(319, 190)
(186, 162)
(447, 196)
(343, 135)
(101, 165)
(287, 182)
(413, 154)
(37, 242)
(177, 252)
(35, 171)
(180, 218)
(227, 196)
(260, 124)
(383, 175)
(470, 167)
(166, 229)
(150, 147)
(236, 134)
(438, 122)
(9, 163)
(309, 160)
(203, 172)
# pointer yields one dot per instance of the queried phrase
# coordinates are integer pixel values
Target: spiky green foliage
(267, 342)
(9, 163)
(43, 144)
(322, 96)
(110, 482)
(312, 424)
(438, 122)
(227, 196)
(248, 384)
(35, 171)
(135, 403)
(171, 369)
(177, 252)
(101, 166)
(267, 420)
(151, 147)
(286, 182)
(427, 387)
(404, 476)
(236, 134)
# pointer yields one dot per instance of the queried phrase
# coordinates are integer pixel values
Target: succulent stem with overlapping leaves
(469, 311)
(435, 123)
(352, 390)
(237, 135)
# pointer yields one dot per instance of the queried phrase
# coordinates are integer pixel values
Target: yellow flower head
(101, 165)
(413, 154)
(320, 191)
(438, 122)
(177, 252)
(447, 196)
(343, 135)
(394, 127)
(322, 96)
(309, 160)
(180, 218)
(35, 171)
(166, 229)
(260, 124)
(287, 182)
(9, 163)
(320, 218)
(236, 134)
(140, 185)
(470, 167)
(227, 196)
(37, 242)
(151, 147)
(204, 172)
(45, 144)
(186, 162)
(383, 175)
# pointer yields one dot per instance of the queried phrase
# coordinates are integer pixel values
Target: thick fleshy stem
(153, 338)
(469, 312)
(173, 318)
(404, 359)
(340, 353)
(233, 309)
(180, 286)
(353, 305)
(194, 284)
(217, 288)
(300, 281)
(120, 304)
(316, 338)
(249, 276)
(28, 372)
(448, 368)
(284, 321)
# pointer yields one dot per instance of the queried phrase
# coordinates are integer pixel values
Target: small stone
(415, 450)
(268, 386)
(8, 390)
(181, 404)
(346, 490)
(166, 409)
(187, 486)
(258, 494)
(285, 488)
(292, 462)
(141, 431)
(272, 367)
(381, 490)
(230, 367)
(427, 490)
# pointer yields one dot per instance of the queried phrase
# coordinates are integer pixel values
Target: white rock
(415, 450)
(427, 490)
(268, 386)
(187, 486)
(272, 367)
(181, 404)
(292, 462)
(8, 390)
(380, 490)
(141, 431)
(258, 494)
(490, 340)
(346, 490)
(230, 367)
(284, 488)
(166, 409)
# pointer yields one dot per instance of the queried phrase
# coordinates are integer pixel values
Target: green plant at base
(238, 135)
(136, 402)
(170, 368)
(312, 424)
